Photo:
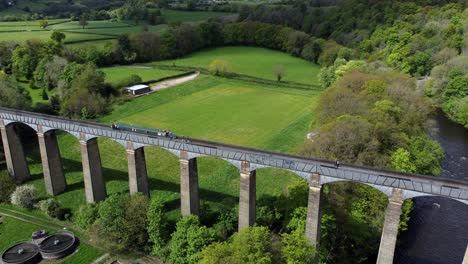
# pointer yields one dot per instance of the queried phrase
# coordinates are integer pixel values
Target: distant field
(45, 35)
(115, 75)
(190, 16)
(91, 24)
(221, 110)
(12, 230)
(258, 62)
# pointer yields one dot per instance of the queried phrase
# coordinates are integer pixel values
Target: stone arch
(218, 178)
(235, 163)
(382, 189)
(163, 173)
(17, 152)
(114, 163)
(413, 194)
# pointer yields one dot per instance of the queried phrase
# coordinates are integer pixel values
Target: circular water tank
(22, 253)
(58, 246)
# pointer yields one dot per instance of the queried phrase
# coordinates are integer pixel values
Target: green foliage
(44, 95)
(134, 233)
(401, 161)
(297, 248)
(220, 67)
(157, 226)
(188, 241)
(111, 217)
(455, 99)
(49, 206)
(251, 245)
(58, 36)
(8, 187)
(426, 155)
(123, 221)
(87, 215)
(24, 196)
(406, 209)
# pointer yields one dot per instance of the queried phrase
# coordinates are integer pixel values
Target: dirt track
(173, 82)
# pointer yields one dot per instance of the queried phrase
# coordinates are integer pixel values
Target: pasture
(257, 62)
(210, 108)
(115, 75)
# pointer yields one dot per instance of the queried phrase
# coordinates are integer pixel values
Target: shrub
(157, 226)
(62, 213)
(24, 196)
(49, 206)
(8, 187)
(87, 215)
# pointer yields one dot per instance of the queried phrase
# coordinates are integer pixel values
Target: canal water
(438, 229)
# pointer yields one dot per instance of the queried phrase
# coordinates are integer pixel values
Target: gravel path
(173, 82)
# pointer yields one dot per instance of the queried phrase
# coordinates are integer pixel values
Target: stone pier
(390, 228)
(247, 196)
(14, 154)
(312, 231)
(54, 178)
(95, 186)
(189, 193)
(137, 175)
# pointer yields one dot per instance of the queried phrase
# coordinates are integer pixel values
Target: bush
(49, 206)
(87, 215)
(24, 196)
(157, 226)
(8, 187)
(62, 214)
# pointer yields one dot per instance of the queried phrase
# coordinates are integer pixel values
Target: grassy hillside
(258, 62)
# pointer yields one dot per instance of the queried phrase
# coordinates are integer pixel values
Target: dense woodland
(386, 65)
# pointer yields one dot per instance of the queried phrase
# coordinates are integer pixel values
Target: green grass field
(116, 74)
(210, 108)
(45, 35)
(13, 230)
(190, 16)
(258, 62)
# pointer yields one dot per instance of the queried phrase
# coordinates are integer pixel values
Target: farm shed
(138, 89)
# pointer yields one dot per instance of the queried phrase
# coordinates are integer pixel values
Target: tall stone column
(95, 186)
(189, 192)
(312, 231)
(390, 228)
(247, 196)
(54, 178)
(137, 175)
(14, 154)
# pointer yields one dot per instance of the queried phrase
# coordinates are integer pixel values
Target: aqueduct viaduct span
(397, 186)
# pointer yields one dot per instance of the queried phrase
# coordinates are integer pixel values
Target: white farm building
(138, 89)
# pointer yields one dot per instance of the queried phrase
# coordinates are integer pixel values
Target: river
(438, 228)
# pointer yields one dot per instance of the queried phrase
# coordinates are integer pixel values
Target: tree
(24, 196)
(157, 226)
(251, 245)
(84, 20)
(188, 241)
(86, 216)
(8, 187)
(43, 24)
(401, 161)
(134, 233)
(279, 72)
(12, 95)
(58, 36)
(24, 62)
(44, 95)
(111, 218)
(220, 67)
(296, 247)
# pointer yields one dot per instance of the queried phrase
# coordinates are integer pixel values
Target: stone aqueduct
(397, 186)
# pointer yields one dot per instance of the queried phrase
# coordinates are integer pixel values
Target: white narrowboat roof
(137, 87)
